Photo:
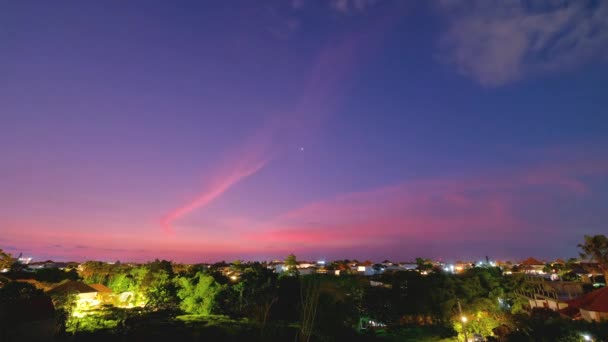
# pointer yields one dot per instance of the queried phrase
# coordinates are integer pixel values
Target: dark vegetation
(250, 302)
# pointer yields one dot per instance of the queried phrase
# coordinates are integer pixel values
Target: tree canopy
(198, 294)
(6, 260)
(595, 248)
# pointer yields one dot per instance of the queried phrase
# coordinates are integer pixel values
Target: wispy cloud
(348, 6)
(340, 6)
(248, 159)
(320, 96)
(494, 204)
(496, 42)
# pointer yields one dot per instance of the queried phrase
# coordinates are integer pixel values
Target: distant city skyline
(200, 132)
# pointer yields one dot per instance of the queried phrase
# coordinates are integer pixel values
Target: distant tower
(487, 260)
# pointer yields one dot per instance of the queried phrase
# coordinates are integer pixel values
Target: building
(461, 266)
(88, 295)
(533, 266)
(553, 295)
(592, 306)
(104, 293)
(34, 266)
(366, 270)
(24, 260)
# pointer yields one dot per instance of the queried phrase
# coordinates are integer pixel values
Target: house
(278, 268)
(461, 266)
(532, 265)
(541, 293)
(408, 266)
(24, 260)
(592, 306)
(366, 270)
(104, 293)
(392, 268)
(46, 264)
(87, 294)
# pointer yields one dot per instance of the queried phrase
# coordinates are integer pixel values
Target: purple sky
(362, 129)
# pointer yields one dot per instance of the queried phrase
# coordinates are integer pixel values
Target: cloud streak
(242, 162)
(321, 94)
(497, 42)
(494, 206)
(348, 6)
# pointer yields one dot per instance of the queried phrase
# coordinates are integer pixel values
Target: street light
(586, 337)
(463, 318)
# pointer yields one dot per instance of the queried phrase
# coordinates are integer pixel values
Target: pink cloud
(485, 207)
(321, 93)
(491, 207)
(232, 171)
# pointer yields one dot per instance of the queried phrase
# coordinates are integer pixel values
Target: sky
(371, 129)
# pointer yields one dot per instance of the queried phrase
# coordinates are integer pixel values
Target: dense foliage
(595, 248)
(6, 260)
(198, 294)
(251, 301)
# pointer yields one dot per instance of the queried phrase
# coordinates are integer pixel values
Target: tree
(16, 290)
(424, 265)
(161, 292)
(55, 275)
(253, 296)
(6, 260)
(198, 294)
(291, 265)
(309, 302)
(596, 248)
(121, 282)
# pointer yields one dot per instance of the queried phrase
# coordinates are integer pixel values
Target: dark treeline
(250, 301)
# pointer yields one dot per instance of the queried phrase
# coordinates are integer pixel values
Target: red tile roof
(571, 311)
(72, 286)
(593, 301)
(532, 261)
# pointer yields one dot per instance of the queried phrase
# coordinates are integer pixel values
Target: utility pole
(463, 319)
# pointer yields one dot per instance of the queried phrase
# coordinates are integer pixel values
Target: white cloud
(347, 6)
(496, 42)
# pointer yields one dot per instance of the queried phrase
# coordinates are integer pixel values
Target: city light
(464, 319)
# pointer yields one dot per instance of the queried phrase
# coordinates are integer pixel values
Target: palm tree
(596, 248)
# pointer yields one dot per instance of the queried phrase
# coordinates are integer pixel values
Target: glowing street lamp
(464, 320)
(586, 337)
